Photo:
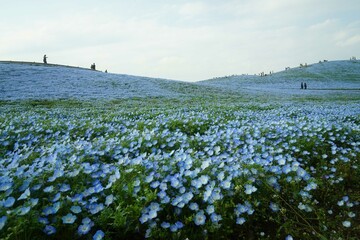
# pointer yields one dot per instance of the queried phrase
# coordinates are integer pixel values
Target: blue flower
(94, 208)
(250, 189)
(346, 224)
(210, 209)
(109, 199)
(9, 202)
(200, 218)
(194, 206)
(87, 221)
(49, 189)
(215, 218)
(25, 194)
(98, 235)
(2, 221)
(75, 209)
(274, 207)
(179, 225)
(49, 230)
(49, 210)
(226, 184)
(64, 188)
(34, 201)
(165, 225)
(77, 198)
(204, 179)
(56, 197)
(144, 218)
(84, 229)
(23, 210)
(43, 220)
(69, 218)
(240, 221)
(5, 186)
(289, 237)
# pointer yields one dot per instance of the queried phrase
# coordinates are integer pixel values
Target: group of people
(93, 66)
(303, 85)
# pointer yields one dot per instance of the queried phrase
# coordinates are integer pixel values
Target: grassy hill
(35, 81)
(340, 77)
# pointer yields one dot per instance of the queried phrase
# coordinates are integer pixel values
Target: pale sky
(180, 39)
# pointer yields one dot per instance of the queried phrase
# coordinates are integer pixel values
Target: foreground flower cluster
(271, 172)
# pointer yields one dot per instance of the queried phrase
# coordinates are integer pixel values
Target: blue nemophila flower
(94, 208)
(34, 201)
(240, 221)
(194, 206)
(75, 209)
(49, 210)
(48, 189)
(3, 222)
(204, 179)
(144, 218)
(56, 197)
(311, 186)
(77, 198)
(200, 218)
(178, 225)
(9, 202)
(87, 221)
(43, 220)
(165, 225)
(210, 209)
(49, 230)
(226, 184)
(64, 188)
(249, 189)
(25, 194)
(161, 194)
(109, 199)
(36, 187)
(175, 183)
(215, 218)
(69, 218)
(6, 183)
(84, 229)
(93, 199)
(351, 214)
(98, 235)
(289, 237)
(274, 207)
(286, 169)
(346, 224)
(23, 210)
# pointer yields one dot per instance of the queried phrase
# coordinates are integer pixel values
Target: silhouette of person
(44, 59)
(305, 86)
(302, 85)
(93, 66)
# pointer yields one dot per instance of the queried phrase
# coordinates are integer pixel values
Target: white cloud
(192, 9)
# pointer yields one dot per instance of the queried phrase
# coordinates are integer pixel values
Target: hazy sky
(180, 39)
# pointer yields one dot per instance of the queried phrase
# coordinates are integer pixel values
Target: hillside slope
(22, 81)
(38, 81)
(325, 77)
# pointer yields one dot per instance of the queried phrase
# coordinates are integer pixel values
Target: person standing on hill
(44, 59)
(305, 85)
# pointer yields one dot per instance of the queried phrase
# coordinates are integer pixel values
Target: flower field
(236, 172)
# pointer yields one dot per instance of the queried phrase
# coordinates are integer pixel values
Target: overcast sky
(180, 39)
